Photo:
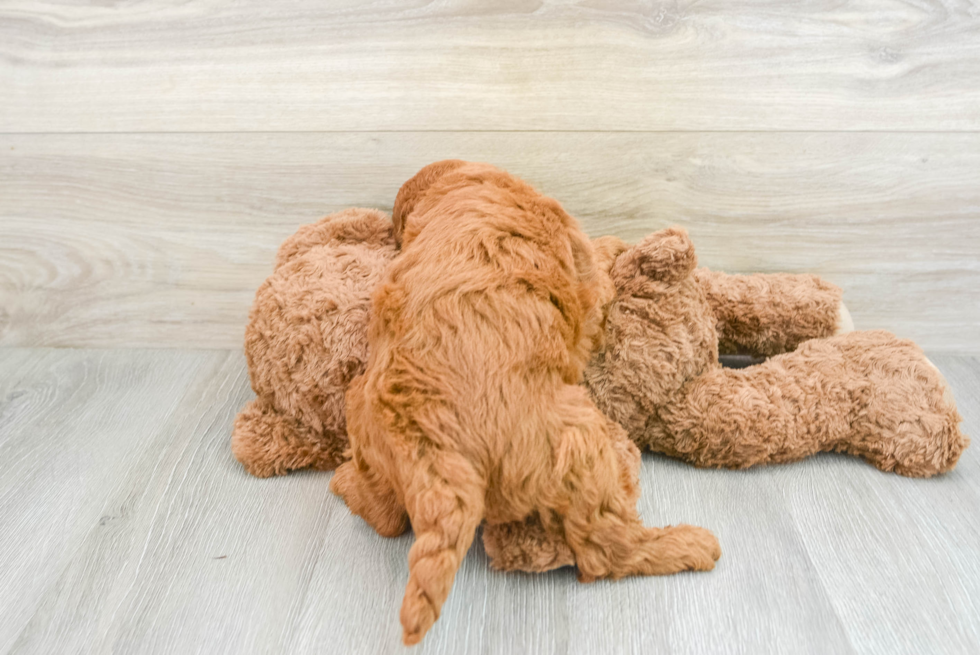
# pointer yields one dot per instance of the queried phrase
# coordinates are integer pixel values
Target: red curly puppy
(470, 407)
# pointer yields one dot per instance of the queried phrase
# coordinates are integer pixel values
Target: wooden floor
(128, 527)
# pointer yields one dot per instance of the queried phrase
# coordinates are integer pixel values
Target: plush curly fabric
(870, 394)
(305, 342)
(769, 314)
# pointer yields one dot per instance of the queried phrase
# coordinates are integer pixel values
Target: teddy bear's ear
(666, 256)
(415, 188)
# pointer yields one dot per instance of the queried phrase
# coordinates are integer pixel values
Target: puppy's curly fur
(470, 407)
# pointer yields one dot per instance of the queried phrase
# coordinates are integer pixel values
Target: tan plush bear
(657, 374)
(865, 393)
(307, 339)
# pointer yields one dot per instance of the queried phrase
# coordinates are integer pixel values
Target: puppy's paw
(699, 548)
(342, 480)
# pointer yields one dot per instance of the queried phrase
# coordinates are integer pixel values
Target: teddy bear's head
(660, 332)
(307, 333)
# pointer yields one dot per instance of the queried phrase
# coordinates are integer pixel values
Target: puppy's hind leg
(365, 490)
(370, 497)
(445, 502)
(597, 504)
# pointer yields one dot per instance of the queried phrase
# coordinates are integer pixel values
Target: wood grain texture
(882, 548)
(129, 527)
(80, 434)
(169, 65)
(161, 240)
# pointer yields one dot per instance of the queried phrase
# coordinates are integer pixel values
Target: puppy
(470, 410)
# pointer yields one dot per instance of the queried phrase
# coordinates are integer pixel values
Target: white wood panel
(214, 65)
(161, 240)
(129, 527)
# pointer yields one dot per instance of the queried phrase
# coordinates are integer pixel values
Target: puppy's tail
(445, 504)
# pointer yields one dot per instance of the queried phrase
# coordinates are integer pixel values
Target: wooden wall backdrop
(153, 154)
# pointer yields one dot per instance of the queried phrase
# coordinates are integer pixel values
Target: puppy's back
(493, 275)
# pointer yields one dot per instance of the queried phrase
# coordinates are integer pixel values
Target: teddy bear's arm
(268, 442)
(768, 314)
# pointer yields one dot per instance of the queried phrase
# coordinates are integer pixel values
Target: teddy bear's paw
(248, 443)
(902, 415)
(931, 443)
(845, 323)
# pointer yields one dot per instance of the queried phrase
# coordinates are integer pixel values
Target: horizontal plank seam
(429, 131)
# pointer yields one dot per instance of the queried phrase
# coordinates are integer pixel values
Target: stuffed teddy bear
(657, 372)
(864, 393)
(307, 339)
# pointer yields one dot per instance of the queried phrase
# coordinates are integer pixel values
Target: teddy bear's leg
(525, 546)
(909, 423)
(268, 442)
(865, 393)
(768, 314)
(595, 503)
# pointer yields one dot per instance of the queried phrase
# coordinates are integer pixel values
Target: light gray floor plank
(460, 64)
(899, 558)
(132, 529)
(73, 424)
(161, 240)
